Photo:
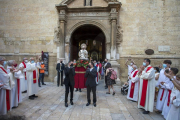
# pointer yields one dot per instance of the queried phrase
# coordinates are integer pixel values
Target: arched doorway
(93, 37)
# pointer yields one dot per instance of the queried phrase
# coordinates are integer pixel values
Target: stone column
(61, 43)
(113, 58)
(113, 40)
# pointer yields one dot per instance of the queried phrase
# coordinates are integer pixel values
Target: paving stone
(50, 106)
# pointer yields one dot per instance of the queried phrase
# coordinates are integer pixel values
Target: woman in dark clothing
(110, 82)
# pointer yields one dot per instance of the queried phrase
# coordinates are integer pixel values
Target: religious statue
(83, 54)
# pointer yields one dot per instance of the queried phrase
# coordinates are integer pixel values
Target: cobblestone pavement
(50, 106)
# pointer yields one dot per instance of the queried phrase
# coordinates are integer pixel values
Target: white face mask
(26, 61)
(131, 64)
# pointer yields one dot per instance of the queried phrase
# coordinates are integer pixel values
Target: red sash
(7, 100)
(18, 85)
(132, 86)
(162, 95)
(34, 76)
(3, 70)
(169, 95)
(24, 72)
(144, 90)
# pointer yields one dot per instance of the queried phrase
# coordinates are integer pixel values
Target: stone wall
(27, 28)
(148, 24)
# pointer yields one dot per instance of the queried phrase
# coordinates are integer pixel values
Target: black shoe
(87, 104)
(14, 107)
(66, 105)
(43, 84)
(76, 90)
(108, 93)
(80, 90)
(39, 86)
(24, 91)
(94, 104)
(146, 112)
(113, 93)
(106, 87)
(34, 96)
(72, 103)
(31, 98)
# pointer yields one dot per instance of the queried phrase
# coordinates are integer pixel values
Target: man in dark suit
(69, 82)
(91, 83)
(60, 69)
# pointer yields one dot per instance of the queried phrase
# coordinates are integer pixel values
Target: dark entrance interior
(93, 37)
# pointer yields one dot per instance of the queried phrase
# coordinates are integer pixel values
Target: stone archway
(87, 33)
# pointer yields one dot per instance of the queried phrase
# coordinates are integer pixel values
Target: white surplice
(22, 79)
(169, 86)
(150, 76)
(174, 112)
(162, 78)
(14, 90)
(4, 80)
(32, 88)
(136, 87)
(17, 76)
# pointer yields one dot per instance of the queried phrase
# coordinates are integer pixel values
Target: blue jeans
(41, 78)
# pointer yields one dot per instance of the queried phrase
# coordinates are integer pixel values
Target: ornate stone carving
(88, 2)
(57, 34)
(119, 36)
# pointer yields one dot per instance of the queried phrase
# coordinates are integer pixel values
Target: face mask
(131, 64)
(42, 62)
(15, 65)
(164, 65)
(71, 65)
(26, 61)
(32, 61)
(144, 64)
(155, 70)
(61, 61)
(4, 63)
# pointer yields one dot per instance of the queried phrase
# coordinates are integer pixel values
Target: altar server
(17, 76)
(32, 79)
(162, 89)
(23, 78)
(169, 86)
(133, 84)
(4, 88)
(147, 87)
(174, 112)
(14, 91)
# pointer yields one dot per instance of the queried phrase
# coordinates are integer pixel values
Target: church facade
(113, 29)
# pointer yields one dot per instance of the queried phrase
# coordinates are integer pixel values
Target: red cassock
(79, 78)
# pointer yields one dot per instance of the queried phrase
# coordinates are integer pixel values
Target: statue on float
(83, 53)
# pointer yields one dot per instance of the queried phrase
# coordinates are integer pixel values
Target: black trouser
(58, 78)
(88, 94)
(106, 81)
(67, 92)
(41, 78)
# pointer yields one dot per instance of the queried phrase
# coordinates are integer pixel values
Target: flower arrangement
(81, 63)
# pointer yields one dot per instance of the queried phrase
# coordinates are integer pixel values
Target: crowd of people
(18, 79)
(147, 85)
